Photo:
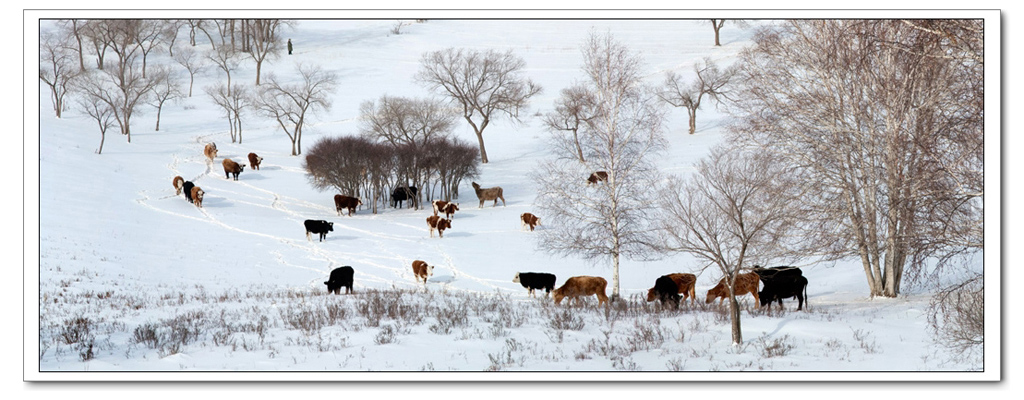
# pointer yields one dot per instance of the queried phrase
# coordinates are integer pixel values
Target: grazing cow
(783, 287)
(197, 196)
(745, 283)
(401, 194)
(529, 220)
(341, 276)
(320, 227)
(666, 290)
(493, 193)
(210, 151)
(596, 177)
(421, 270)
(578, 286)
(178, 183)
(536, 280)
(448, 208)
(684, 285)
(345, 202)
(187, 188)
(435, 222)
(254, 161)
(783, 271)
(232, 168)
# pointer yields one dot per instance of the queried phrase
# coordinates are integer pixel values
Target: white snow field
(156, 288)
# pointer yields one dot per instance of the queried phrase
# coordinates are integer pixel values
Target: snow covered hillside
(160, 285)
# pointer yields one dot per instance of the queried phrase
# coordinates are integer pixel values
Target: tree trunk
(693, 119)
(103, 137)
(734, 311)
(158, 109)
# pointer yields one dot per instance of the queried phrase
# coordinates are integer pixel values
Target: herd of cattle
(779, 282)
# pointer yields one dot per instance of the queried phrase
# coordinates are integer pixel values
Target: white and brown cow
(599, 176)
(582, 286)
(178, 183)
(422, 270)
(254, 161)
(210, 151)
(436, 222)
(529, 220)
(448, 208)
(197, 196)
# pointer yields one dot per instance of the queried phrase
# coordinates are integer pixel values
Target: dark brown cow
(254, 161)
(421, 270)
(684, 284)
(178, 183)
(346, 203)
(529, 220)
(596, 177)
(435, 222)
(232, 168)
(745, 283)
(578, 286)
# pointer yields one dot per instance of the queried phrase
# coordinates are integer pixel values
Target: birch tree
(710, 82)
(612, 220)
(871, 111)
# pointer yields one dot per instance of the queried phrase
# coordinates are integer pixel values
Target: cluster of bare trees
(363, 167)
(112, 92)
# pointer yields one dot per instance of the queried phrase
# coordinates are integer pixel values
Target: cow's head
(651, 294)
(430, 270)
(330, 226)
(516, 279)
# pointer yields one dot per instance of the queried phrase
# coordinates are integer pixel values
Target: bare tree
(94, 33)
(165, 88)
(233, 102)
(56, 69)
(573, 110)
(871, 111)
(612, 219)
(717, 25)
(485, 85)
(149, 35)
(292, 104)
(73, 30)
(122, 89)
(225, 59)
(738, 206)
(710, 82)
(264, 41)
(957, 316)
(101, 112)
(401, 120)
(192, 62)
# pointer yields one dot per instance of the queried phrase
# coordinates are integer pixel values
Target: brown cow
(578, 286)
(529, 220)
(745, 283)
(197, 196)
(596, 177)
(684, 285)
(439, 205)
(422, 270)
(485, 194)
(178, 183)
(345, 202)
(254, 161)
(210, 150)
(232, 168)
(450, 209)
(435, 222)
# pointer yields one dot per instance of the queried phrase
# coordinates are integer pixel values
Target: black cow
(187, 188)
(318, 226)
(401, 194)
(341, 276)
(667, 290)
(536, 280)
(782, 287)
(782, 271)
